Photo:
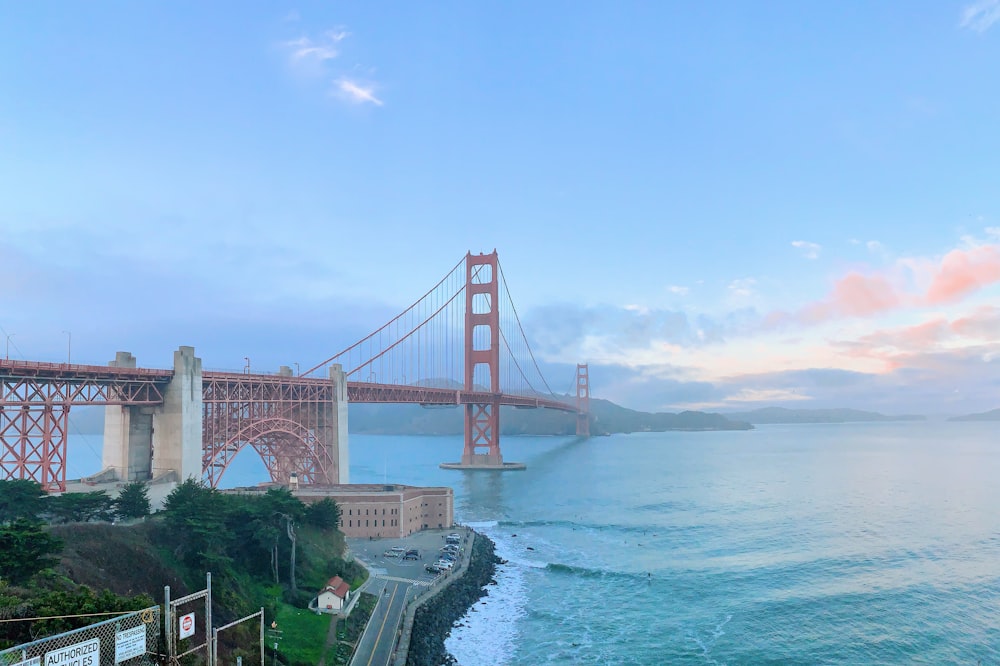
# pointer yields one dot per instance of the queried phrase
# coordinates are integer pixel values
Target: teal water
(805, 544)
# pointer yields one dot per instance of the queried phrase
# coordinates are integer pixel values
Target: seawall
(429, 618)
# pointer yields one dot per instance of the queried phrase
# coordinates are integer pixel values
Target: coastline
(435, 616)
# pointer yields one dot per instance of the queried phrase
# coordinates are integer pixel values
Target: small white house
(333, 597)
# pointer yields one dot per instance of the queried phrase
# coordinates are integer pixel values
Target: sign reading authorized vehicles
(86, 653)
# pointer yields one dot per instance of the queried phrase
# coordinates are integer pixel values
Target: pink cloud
(962, 272)
(958, 274)
(983, 324)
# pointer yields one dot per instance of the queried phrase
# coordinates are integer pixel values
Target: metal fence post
(167, 635)
(208, 617)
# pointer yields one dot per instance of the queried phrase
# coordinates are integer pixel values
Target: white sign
(187, 626)
(87, 653)
(130, 643)
(34, 661)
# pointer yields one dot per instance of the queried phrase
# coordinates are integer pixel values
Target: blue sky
(717, 205)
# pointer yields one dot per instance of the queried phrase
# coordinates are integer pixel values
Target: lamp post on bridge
(69, 346)
(246, 370)
(297, 373)
(7, 354)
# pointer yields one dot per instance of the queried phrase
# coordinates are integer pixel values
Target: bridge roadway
(81, 384)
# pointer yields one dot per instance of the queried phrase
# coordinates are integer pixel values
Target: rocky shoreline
(435, 618)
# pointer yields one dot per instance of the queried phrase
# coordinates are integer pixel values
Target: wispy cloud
(910, 282)
(676, 289)
(808, 250)
(980, 16)
(312, 57)
(743, 287)
(356, 92)
(307, 49)
(766, 395)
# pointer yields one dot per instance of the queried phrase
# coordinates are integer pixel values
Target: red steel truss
(35, 400)
(288, 421)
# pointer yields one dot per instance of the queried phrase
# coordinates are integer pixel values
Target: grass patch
(303, 634)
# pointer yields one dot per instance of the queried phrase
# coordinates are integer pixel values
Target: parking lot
(428, 544)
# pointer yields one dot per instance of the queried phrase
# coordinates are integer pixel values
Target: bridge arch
(285, 446)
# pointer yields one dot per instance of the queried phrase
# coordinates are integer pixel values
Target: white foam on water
(489, 634)
(709, 643)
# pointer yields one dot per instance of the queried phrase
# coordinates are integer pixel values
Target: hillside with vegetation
(776, 415)
(88, 552)
(605, 418)
(992, 415)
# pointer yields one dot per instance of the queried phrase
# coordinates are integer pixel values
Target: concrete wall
(127, 435)
(177, 425)
(404, 509)
(339, 425)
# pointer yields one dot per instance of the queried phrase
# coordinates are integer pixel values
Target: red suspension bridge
(461, 344)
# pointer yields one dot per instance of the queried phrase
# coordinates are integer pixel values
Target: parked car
(444, 564)
(432, 568)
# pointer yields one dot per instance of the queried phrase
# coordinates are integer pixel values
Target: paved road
(379, 638)
(395, 581)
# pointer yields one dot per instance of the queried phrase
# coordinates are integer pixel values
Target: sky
(717, 205)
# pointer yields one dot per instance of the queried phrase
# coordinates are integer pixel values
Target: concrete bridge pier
(339, 423)
(144, 443)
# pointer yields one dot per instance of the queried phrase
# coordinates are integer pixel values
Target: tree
(196, 520)
(324, 514)
(132, 501)
(26, 549)
(79, 507)
(20, 498)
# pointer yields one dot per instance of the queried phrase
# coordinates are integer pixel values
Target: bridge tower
(583, 400)
(482, 350)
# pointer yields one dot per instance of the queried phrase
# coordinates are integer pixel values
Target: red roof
(337, 586)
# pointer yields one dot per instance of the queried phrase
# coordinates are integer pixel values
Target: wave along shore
(435, 618)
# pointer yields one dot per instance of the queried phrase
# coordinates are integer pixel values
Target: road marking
(382, 628)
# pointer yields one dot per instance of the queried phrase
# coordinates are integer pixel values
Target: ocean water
(805, 544)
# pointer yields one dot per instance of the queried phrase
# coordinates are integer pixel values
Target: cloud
(909, 282)
(809, 250)
(311, 57)
(980, 16)
(766, 395)
(356, 92)
(742, 287)
(962, 272)
(680, 291)
(305, 49)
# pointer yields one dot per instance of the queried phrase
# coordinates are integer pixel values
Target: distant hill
(769, 415)
(606, 418)
(388, 419)
(992, 415)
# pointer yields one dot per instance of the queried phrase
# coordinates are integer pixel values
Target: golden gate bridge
(461, 344)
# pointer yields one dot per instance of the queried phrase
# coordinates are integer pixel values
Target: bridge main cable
(390, 323)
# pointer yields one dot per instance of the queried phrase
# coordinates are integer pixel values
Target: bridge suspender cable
(387, 324)
(521, 329)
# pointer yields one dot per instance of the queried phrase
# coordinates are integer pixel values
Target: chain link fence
(241, 642)
(132, 639)
(190, 619)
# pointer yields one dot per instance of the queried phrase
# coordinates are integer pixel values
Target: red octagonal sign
(187, 625)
